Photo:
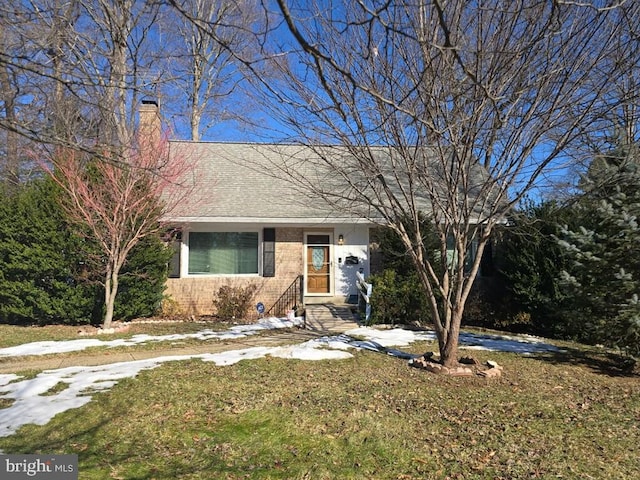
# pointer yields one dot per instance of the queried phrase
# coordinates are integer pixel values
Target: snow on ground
(238, 331)
(522, 344)
(32, 405)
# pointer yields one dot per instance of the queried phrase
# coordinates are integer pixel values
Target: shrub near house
(49, 275)
(234, 303)
(44, 275)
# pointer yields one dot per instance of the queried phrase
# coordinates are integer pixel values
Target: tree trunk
(10, 171)
(448, 340)
(110, 291)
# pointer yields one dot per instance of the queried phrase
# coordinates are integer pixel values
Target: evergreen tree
(51, 275)
(397, 293)
(143, 279)
(44, 268)
(604, 275)
(531, 262)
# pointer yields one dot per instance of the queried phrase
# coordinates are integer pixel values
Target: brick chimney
(150, 123)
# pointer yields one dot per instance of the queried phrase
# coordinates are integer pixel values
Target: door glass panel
(318, 259)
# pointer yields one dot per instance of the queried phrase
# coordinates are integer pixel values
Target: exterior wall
(356, 244)
(195, 294)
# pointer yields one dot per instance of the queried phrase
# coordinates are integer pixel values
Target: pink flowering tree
(119, 199)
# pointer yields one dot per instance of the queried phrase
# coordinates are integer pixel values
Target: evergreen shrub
(603, 278)
(44, 277)
(529, 270)
(142, 280)
(397, 298)
(51, 275)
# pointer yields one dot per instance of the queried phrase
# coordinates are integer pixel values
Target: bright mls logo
(49, 467)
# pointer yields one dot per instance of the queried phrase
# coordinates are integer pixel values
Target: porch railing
(364, 296)
(289, 300)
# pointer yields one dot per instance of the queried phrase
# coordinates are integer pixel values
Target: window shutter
(174, 263)
(269, 252)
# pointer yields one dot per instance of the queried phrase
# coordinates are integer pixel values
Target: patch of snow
(312, 350)
(7, 378)
(522, 344)
(33, 406)
(235, 356)
(238, 331)
(393, 337)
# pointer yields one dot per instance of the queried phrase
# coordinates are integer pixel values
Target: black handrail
(291, 299)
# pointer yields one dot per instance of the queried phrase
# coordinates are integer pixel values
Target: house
(249, 224)
(252, 221)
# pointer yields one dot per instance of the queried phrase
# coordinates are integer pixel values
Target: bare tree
(204, 68)
(115, 63)
(120, 204)
(79, 66)
(455, 109)
(82, 66)
(40, 35)
(203, 71)
(615, 123)
(9, 91)
(15, 91)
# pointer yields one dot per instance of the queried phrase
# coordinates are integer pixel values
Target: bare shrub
(234, 302)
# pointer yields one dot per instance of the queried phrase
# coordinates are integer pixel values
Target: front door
(318, 263)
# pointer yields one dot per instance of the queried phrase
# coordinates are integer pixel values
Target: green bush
(397, 299)
(142, 280)
(531, 261)
(398, 296)
(51, 275)
(603, 277)
(480, 309)
(45, 276)
(233, 303)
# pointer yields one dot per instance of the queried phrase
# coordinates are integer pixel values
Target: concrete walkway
(321, 320)
(330, 318)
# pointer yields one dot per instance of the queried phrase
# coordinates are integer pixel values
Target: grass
(12, 335)
(566, 415)
(57, 388)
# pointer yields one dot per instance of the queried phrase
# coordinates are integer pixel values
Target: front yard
(554, 415)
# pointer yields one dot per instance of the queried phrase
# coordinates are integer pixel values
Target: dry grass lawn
(570, 415)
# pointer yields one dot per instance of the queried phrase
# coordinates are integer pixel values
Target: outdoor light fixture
(340, 239)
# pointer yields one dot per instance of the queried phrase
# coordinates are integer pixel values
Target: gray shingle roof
(239, 182)
(248, 182)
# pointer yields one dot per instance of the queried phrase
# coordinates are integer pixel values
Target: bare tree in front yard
(72, 72)
(457, 109)
(121, 199)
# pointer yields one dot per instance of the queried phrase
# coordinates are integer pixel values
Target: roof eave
(269, 220)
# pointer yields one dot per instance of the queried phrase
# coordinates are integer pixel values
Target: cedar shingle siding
(196, 294)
